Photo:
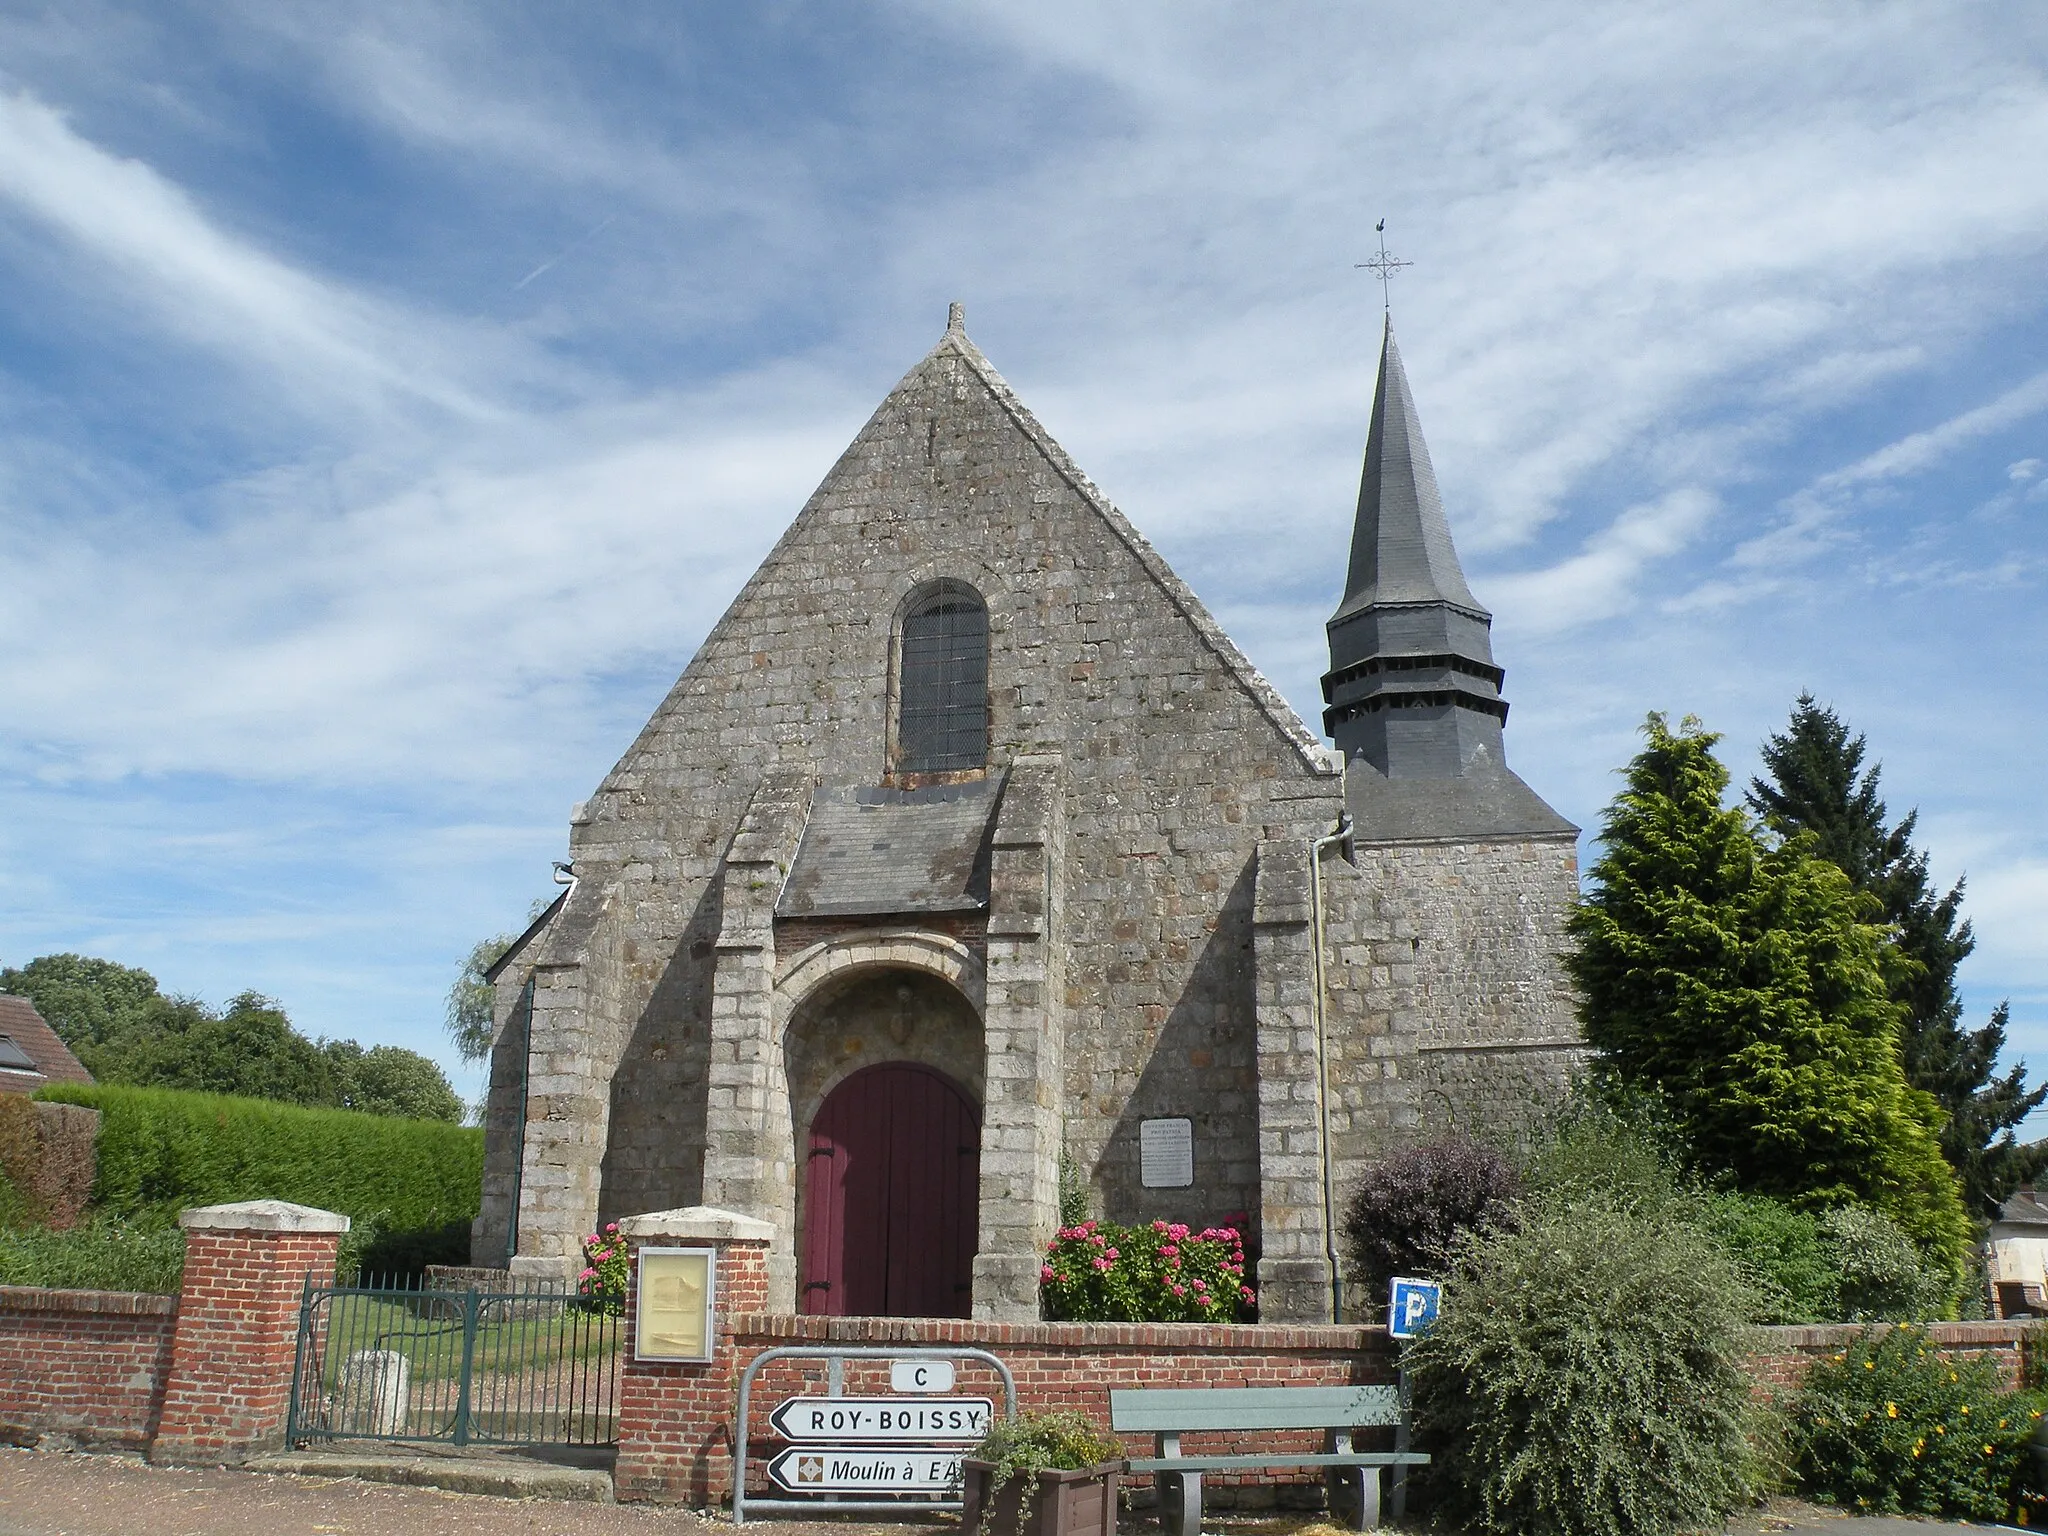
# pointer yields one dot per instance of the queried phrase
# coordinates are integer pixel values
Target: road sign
(920, 1375)
(832, 1469)
(882, 1418)
(1413, 1307)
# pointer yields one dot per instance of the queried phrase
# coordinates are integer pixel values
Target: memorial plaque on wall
(1166, 1153)
(675, 1298)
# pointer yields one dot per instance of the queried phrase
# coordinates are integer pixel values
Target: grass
(101, 1254)
(427, 1329)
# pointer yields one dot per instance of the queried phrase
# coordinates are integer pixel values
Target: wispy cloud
(1816, 518)
(1691, 285)
(196, 280)
(1604, 578)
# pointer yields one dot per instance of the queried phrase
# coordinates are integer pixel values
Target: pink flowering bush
(602, 1285)
(1099, 1272)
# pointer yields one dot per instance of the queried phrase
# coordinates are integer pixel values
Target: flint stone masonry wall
(83, 1367)
(1448, 1005)
(1173, 755)
(1146, 772)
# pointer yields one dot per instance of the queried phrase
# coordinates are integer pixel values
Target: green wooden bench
(1353, 1476)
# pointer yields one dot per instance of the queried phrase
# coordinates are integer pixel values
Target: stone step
(504, 1476)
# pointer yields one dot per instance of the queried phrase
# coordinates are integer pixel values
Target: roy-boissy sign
(922, 1436)
(925, 1420)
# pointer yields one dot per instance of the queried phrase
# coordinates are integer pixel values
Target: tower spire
(1412, 686)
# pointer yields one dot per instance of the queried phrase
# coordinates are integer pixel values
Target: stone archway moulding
(908, 949)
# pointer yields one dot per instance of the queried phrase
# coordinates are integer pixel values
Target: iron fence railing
(402, 1361)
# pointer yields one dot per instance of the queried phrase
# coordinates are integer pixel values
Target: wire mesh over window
(942, 690)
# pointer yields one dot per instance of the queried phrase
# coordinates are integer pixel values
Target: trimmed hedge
(161, 1149)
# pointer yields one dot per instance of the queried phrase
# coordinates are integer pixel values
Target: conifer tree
(1741, 985)
(1818, 785)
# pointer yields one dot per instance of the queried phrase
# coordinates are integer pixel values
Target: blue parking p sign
(1413, 1307)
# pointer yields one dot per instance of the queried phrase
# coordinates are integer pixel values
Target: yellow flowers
(1987, 1450)
(1919, 1446)
(1891, 1410)
(1966, 1407)
(1871, 1365)
(1941, 1429)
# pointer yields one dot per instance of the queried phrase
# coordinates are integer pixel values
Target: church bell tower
(1412, 687)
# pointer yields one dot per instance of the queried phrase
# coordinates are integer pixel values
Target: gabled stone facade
(1110, 922)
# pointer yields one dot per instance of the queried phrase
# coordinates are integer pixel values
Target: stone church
(969, 853)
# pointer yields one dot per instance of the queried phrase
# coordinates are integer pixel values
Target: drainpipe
(1341, 833)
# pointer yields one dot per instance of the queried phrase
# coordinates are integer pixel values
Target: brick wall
(675, 1439)
(246, 1269)
(679, 1419)
(1786, 1352)
(88, 1366)
(1075, 1366)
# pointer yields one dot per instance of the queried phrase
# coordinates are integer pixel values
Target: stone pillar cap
(260, 1216)
(702, 1222)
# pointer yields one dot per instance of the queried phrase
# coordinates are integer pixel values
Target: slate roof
(877, 851)
(1401, 548)
(2024, 1208)
(1488, 800)
(52, 1060)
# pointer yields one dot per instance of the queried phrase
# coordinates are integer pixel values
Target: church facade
(968, 854)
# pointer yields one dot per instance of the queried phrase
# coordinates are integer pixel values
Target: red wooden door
(892, 1197)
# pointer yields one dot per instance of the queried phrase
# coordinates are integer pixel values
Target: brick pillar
(675, 1420)
(238, 1323)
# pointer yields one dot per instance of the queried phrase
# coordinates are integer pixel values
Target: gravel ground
(45, 1493)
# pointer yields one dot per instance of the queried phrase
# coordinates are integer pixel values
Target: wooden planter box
(1066, 1503)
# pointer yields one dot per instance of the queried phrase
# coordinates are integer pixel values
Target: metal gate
(399, 1362)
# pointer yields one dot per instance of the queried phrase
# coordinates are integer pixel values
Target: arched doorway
(891, 1197)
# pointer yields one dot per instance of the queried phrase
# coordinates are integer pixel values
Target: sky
(393, 396)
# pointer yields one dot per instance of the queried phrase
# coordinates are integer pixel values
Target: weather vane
(1384, 266)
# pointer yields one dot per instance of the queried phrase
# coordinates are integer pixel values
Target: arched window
(942, 682)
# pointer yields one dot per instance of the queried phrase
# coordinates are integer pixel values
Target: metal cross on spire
(1384, 267)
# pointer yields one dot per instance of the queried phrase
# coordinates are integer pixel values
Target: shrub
(1059, 1441)
(1784, 1254)
(1586, 1376)
(1885, 1278)
(1891, 1426)
(1099, 1272)
(1407, 1208)
(1594, 1150)
(103, 1254)
(602, 1285)
(1062, 1441)
(161, 1150)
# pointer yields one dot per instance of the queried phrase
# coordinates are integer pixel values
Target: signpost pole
(1397, 1495)
(857, 1457)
